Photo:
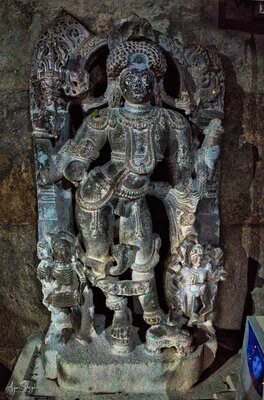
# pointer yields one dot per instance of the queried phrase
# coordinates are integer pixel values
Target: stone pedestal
(96, 369)
(84, 370)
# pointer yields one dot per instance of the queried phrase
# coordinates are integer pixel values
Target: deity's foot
(121, 339)
(153, 317)
(162, 336)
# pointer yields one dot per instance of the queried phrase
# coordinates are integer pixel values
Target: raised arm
(76, 155)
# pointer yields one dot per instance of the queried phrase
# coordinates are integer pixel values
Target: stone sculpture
(64, 286)
(95, 225)
(192, 283)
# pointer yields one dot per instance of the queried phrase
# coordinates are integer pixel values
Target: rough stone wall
(242, 186)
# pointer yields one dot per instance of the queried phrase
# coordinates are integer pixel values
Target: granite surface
(242, 186)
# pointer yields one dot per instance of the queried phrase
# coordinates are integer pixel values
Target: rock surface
(242, 180)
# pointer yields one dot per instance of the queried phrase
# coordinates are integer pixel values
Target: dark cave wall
(242, 182)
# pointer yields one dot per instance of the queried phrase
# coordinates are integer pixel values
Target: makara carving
(159, 105)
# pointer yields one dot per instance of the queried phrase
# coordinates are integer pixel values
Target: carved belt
(64, 299)
(101, 183)
(125, 288)
(132, 194)
(116, 156)
(121, 288)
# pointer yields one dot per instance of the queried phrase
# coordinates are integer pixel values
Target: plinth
(85, 371)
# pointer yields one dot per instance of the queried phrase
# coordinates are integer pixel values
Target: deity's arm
(215, 275)
(178, 153)
(76, 155)
(89, 140)
(207, 155)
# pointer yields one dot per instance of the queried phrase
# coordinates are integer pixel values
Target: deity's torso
(193, 280)
(138, 140)
(138, 143)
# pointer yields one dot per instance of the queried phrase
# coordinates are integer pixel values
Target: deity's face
(196, 256)
(137, 84)
(61, 250)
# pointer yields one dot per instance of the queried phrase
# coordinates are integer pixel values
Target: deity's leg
(136, 230)
(121, 325)
(149, 301)
(97, 232)
(60, 329)
(207, 298)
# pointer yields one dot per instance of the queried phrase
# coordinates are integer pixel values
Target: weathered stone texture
(17, 190)
(20, 296)
(241, 205)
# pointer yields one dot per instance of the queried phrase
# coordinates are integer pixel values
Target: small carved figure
(197, 284)
(64, 287)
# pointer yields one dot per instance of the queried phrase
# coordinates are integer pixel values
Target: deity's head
(196, 255)
(137, 66)
(62, 246)
(137, 83)
(61, 250)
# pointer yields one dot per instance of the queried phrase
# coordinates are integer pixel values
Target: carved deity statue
(162, 108)
(140, 135)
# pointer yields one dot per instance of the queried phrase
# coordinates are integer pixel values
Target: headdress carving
(141, 52)
(63, 236)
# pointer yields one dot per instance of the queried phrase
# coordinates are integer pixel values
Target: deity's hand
(174, 263)
(44, 270)
(222, 275)
(52, 170)
(45, 173)
(219, 275)
(75, 171)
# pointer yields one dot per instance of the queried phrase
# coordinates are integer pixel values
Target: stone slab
(220, 385)
(29, 366)
(29, 374)
(96, 368)
(96, 373)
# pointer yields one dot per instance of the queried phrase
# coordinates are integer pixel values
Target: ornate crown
(136, 52)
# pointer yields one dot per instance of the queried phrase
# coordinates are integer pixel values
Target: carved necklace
(138, 121)
(140, 163)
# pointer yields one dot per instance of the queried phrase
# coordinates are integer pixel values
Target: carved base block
(99, 370)
(84, 370)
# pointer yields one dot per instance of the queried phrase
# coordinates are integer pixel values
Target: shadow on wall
(236, 178)
(5, 375)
